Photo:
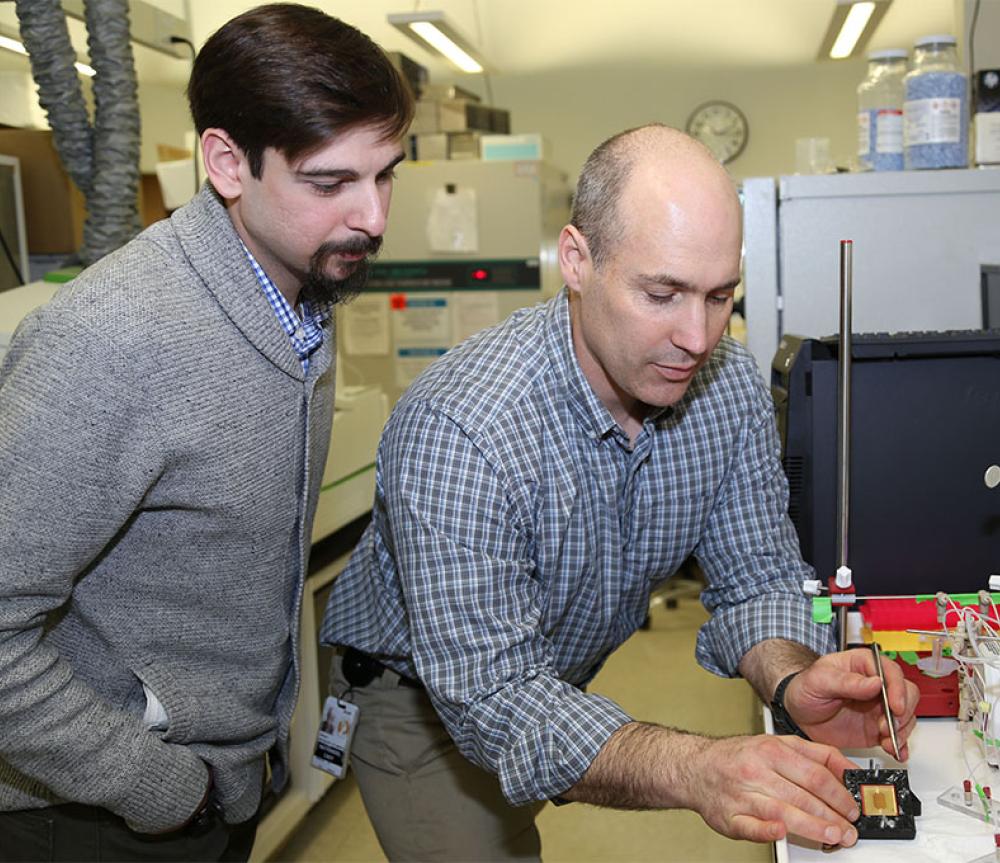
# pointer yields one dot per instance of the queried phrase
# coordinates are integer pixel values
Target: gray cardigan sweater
(161, 453)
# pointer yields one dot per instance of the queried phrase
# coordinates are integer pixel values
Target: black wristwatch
(783, 722)
(210, 810)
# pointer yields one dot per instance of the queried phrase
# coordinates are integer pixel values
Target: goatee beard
(320, 288)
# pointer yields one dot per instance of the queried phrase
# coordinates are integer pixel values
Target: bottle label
(933, 121)
(889, 131)
(864, 132)
(988, 138)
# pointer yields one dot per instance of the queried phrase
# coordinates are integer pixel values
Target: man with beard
(164, 423)
(533, 486)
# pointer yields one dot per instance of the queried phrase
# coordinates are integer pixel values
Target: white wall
(165, 119)
(987, 36)
(575, 109)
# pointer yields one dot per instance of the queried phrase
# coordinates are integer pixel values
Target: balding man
(534, 485)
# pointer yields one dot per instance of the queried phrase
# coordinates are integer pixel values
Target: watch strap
(783, 722)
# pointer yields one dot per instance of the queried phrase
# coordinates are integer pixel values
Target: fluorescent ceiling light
(851, 30)
(18, 48)
(434, 30)
(12, 45)
(851, 27)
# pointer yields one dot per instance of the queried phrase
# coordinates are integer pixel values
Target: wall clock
(721, 127)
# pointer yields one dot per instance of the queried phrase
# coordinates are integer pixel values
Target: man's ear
(223, 160)
(575, 262)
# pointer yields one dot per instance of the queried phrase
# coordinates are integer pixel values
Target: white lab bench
(943, 835)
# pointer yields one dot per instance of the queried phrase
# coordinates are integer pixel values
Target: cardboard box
(451, 115)
(444, 92)
(54, 208)
(500, 121)
(431, 146)
(463, 145)
(413, 74)
(512, 148)
(459, 115)
(435, 146)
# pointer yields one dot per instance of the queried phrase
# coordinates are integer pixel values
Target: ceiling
(525, 37)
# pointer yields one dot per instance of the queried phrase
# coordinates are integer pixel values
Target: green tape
(66, 274)
(989, 741)
(957, 598)
(909, 656)
(822, 609)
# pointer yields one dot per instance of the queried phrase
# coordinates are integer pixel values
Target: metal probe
(844, 427)
(885, 699)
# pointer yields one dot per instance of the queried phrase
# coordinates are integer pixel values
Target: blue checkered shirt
(306, 334)
(516, 538)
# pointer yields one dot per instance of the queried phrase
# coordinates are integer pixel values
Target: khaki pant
(425, 800)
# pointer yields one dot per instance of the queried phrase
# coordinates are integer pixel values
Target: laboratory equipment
(841, 584)
(880, 112)
(877, 651)
(467, 243)
(928, 237)
(936, 109)
(924, 414)
(887, 805)
(987, 119)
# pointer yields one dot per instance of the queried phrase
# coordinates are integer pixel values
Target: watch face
(721, 127)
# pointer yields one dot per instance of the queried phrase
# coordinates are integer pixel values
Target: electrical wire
(479, 39)
(10, 259)
(972, 51)
(975, 629)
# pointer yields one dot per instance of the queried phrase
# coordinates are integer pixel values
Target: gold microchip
(879, 800)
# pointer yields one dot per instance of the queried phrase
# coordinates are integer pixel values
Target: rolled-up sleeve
(463, 542)
(750, 551)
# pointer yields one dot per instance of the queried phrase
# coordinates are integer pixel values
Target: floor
(337, 830)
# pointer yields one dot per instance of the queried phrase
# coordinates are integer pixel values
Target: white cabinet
(922, 240)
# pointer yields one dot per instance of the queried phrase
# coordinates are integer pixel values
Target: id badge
(336, 731)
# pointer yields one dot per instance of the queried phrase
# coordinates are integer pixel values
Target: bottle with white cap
(936, 110)
(880, 112)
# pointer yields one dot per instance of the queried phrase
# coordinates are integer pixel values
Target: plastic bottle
(880, 112)
(936, 110)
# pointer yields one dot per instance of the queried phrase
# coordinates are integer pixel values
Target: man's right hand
(203, 805)
(762, 788)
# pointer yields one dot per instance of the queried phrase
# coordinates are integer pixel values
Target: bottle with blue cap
(936, 110)
(880, 112)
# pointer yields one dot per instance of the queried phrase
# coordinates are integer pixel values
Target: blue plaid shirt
(516, 538)
(306, 334)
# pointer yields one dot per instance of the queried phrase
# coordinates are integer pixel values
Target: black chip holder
(901, 806)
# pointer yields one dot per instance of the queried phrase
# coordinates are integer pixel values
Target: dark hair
(289, 77)
(598, 191)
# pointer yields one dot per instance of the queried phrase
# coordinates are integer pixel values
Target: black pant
(73, 833)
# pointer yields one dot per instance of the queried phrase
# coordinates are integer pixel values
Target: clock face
(721, 127)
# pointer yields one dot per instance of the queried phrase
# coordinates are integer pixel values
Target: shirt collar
(592, 412)
(305, 333)
(589, 409)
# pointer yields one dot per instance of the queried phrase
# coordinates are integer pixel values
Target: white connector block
(843, 577)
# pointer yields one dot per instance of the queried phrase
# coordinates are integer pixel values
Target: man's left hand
(837, 700)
